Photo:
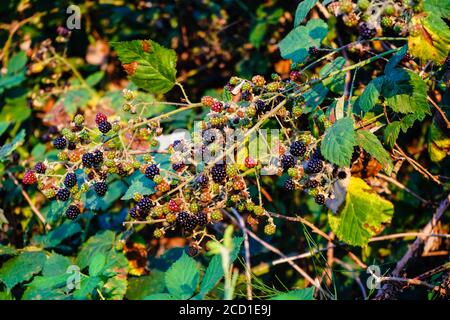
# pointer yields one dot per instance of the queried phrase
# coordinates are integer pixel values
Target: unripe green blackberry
(232, 170)
(389, 10)
(126, 107)
(63, 156)
(351, 19)
(78, 119)
(297, 111)
(137, 196)
(84, 187)
(273, 86)
(386, 22)
(171, 218)
(158, 233)
(158, 179)
(49, 193)
(250, 206)
(216, 216)
(115, 126)
(270, 229)
(241, 207)
(292, 172)
(259, 211)
(363, 5)
(313, 192)
(194, 207)
(109, 163)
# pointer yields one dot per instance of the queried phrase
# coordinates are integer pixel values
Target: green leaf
(296, 44)
(160, 296)
(337, 145)
(214, 272)
(395, 60)
(405, 92)
(362, 215)
(7, 251)
(56, 264)
(95, 78)
(17, 62)
(369, 142)
(21, 268)
(57, 235)
(115, 288)
(96, 203)
(101, 243)
(16, 110)
(8, 148)
(87, 286)
(150, 66)
(96, 265)
(391, 133)
(142, 185)
(437, 7)
(337, 82)
(300, 294)
(314, 97)
(140, 287)
(3, 126)
(74, 99)
(369, 98)
(257, 34)
(302, 11)
(182, 278)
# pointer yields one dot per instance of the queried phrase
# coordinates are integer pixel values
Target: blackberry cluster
(88, 160)
(366, 31)
(218, 173)
(72, 212)
(60, 143)
(314, 165)
(151, 171)
(287, 161)
(298, 149)
(70, 180)
(202, 218)
(100, 188)
(63, 194)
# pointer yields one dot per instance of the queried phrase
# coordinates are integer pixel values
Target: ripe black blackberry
(202, 180)
(134, 213)
(104, 127)
(342, 174)
(98, 157)
(100, 188)
(314, 165)
(177, 166)
(313, 51)
(63, 194)
(192, 251)
(246, 95)
(287, 161)
(151, 171)
(209, 136)
(320, 199)
(70, 180)
(182, 217)
(103, 175)
(71, 145)
(366, 31)
(289, 185)
(144, 205)
(260, 106)
(311, 184)
(190, 223)
(88, 160)
(40, 167)
(72, 212)
(202, 218)
(91, 175)
(218, 173)
(298, 149)
(60, 143)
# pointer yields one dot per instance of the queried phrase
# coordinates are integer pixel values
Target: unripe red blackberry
(366, 31)
(88, 160)
(70, 180)
(320, 199)
(250, 162)
(289, 185)
(207, 101)
(287, 161)
(63, 194)
(40, 167)
(217, 106)
(298, 149)
(202, 218)
(295, 76)
(218, 173)
(173, 206)
(60, 143)
(104, 127)
(100, 188)
(151, 171)
(314, 165)
(29, 177)
(100, 117)
(72, 212)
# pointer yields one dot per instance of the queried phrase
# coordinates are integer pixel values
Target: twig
(387, 291)
(30, 203)
(354, 276)
(248, 265)
(440, 111)
(403, 187)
